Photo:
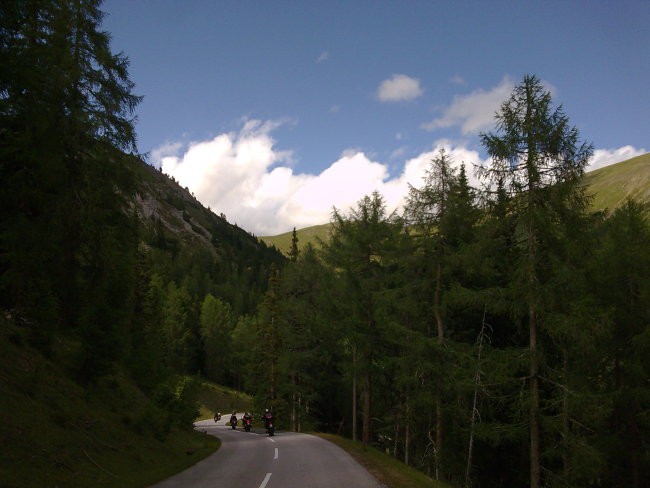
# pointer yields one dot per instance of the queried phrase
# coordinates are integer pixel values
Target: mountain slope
(177, 225)
(611, 185)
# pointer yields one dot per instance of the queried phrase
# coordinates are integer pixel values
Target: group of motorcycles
(247, 422)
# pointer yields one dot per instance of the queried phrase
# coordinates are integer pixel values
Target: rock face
(173, 212)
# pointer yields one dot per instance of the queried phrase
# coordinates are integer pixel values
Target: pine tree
(294, 252)
(621, 284)
(536, 155)
(358, 246)
(65, 115)
(217, 324)
(439, 214)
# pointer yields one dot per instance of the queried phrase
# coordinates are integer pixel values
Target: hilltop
(610, 186)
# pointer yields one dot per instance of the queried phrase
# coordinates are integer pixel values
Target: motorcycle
(271, 428)
(247, 425)
(233, 422)
(217, 416)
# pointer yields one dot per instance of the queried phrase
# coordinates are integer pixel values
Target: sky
(275, 112)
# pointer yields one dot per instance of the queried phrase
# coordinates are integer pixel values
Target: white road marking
(276, 453)
(266, 480)
(271, 440)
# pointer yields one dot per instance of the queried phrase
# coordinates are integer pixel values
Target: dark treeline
(78, 265)
(498, 337)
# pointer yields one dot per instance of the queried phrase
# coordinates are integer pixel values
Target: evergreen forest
(489, 337)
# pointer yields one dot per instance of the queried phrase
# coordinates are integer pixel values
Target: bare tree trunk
(438, 446)
(396, 439)
(354, 393)
(441, 336)
(366, 408)
(407, 433)
(535, 467)
(565, 417)
(477, 382)
(293, 402)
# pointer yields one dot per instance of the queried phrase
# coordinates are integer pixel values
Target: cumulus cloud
(475, 111)
(605, 157)
(243, 175)
(165, 150)
(399, 88)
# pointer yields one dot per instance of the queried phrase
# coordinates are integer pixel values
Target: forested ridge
(493, 336)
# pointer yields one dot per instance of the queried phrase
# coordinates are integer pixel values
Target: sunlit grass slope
(214, 398)
(611, 185)
(308, 235)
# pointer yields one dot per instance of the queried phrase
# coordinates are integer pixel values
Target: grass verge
(215, 398)
(386, 469)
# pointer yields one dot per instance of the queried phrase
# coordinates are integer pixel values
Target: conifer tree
(537, 156)
(65, 111)
(216, 327)
(621, 284)
(358, 246)
(294, 252)
(431, 215)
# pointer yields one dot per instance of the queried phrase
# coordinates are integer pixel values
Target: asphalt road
(254, 460)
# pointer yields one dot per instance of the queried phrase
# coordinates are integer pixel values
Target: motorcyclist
(247, 417)
(217, 416)
(233, 419)
(268, 418)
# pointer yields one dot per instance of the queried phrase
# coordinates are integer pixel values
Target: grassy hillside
(611, 185)
(308, 235)
(55, 432)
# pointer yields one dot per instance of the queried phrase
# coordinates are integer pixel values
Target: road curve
(254, 460)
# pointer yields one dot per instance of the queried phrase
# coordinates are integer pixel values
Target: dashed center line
(266, 480)
(276, 453)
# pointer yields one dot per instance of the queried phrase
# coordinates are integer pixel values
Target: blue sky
(273, 112)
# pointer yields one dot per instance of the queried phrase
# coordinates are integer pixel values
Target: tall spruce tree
(428, 212)
(536, 155)
(357, 248)
(217, 324)
(621, 285)
(65, 113)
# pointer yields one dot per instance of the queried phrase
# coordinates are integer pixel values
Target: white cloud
(242, 175)
(475, 111)
(165, 150)
(324, 56)
(399, 88)
(605, 157)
